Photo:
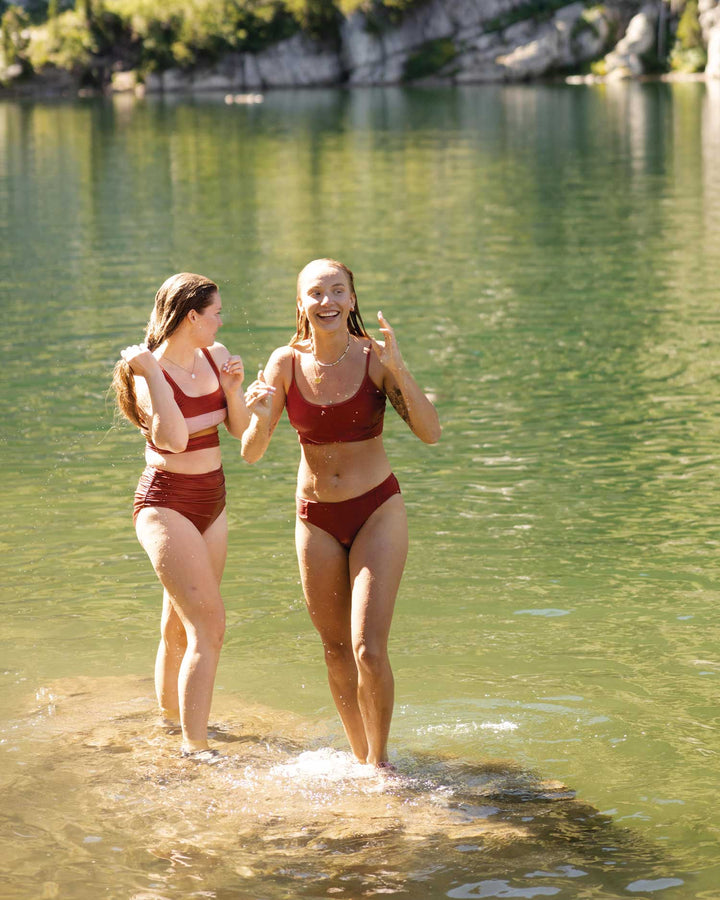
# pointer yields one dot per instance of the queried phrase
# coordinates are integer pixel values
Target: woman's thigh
(182, 561)
(377, 560)
(216, 541)
(323, 563)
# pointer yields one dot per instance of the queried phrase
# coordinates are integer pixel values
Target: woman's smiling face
(326, 296)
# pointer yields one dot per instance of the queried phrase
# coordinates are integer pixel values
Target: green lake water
(549, 257)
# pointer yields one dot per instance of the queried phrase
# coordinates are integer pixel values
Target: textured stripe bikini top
(199, 413)
(358, 418)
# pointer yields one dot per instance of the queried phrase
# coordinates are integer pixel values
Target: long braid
(123, 383)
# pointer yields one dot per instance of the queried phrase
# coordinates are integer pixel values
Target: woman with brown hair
(177, 388)
(351, 530)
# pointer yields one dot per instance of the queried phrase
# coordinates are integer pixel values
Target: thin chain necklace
(191, 372)
(316, 361)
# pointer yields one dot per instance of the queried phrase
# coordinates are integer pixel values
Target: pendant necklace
(191, 372)
(316, 361)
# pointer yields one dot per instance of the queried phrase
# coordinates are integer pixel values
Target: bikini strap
(173, 384)
(208, 357)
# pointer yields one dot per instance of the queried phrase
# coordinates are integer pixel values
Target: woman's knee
(208, 627)
(217, 627)
(338, 654)
(172, 629)
(371, 657)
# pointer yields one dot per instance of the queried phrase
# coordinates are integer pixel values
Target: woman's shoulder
(219, 352)
(283, 356)
(278, 369)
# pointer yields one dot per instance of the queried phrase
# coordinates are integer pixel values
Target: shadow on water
(97, 802)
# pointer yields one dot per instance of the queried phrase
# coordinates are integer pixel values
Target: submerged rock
(96, 794)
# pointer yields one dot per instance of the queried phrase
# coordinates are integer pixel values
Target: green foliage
(84, 8)
(319, 18)
(380, 15)
(185, 32)
(689, 33)
(13, 33)
(393, 10)
(13, 39)
(429, 59)
(688, 53)
(66, 44)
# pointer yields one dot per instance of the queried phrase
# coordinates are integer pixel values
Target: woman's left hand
(389, 352)
(232, 374)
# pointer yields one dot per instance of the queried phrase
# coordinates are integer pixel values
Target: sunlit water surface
(549, 258)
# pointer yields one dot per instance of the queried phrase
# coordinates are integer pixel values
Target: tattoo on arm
(398, 401)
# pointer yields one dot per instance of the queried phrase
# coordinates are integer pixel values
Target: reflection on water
(105, 803)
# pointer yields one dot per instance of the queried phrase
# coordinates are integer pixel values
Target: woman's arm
(403, 391)
(165, 423)
(265, 399)
(232, 374)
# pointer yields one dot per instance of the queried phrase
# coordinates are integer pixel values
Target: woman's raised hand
(259, 396)
(140, 359)
(389, 352)
(232, 374)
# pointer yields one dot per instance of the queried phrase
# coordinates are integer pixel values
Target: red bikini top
(199, 413)
(358, 418)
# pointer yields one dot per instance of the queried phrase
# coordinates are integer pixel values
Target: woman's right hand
(259, 396)
(140, 359)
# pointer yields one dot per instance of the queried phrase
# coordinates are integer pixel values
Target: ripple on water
(545, 613)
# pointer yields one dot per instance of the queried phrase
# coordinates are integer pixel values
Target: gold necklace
(191, 372)
(316, 361)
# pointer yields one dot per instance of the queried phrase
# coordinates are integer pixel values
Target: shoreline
(42, 88)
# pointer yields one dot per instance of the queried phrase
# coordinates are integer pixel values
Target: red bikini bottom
(345, 518)
(200, 498)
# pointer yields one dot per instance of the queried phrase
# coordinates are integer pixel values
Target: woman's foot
(170, 726)
(209, 755)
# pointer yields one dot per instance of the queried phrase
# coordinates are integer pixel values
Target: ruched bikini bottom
(200, 498)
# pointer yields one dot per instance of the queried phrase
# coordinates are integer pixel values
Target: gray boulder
(709, 18)
(712, 69)
(639, 39)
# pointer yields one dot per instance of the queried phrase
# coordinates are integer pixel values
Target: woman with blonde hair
(177, 388)
(351, 530)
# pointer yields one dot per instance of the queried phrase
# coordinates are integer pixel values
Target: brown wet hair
(177, 296)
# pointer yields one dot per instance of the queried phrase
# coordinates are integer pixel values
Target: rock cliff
(709, 17)
(464, 41)
(453, 41)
